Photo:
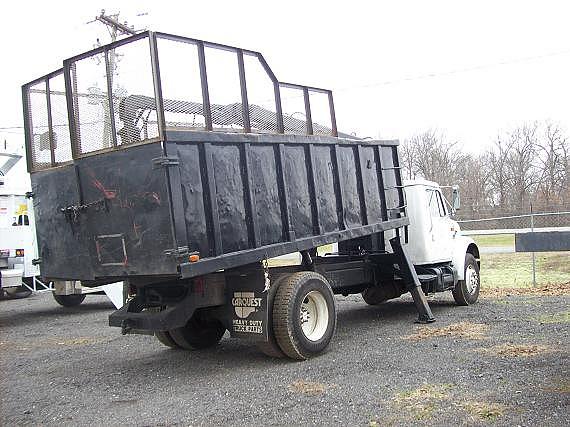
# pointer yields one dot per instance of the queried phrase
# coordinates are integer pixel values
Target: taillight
(19, 252)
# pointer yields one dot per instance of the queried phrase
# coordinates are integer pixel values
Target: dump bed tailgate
(105, 216)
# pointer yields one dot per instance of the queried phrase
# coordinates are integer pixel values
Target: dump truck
(182, 167)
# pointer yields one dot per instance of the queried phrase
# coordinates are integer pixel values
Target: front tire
(304, 315)
(466, 291)
(69, 300)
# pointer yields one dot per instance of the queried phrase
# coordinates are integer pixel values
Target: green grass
(515, 269)
(483, 240)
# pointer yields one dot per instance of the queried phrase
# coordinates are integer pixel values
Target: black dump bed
(144, 166)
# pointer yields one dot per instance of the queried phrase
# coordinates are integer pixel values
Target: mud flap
(246, 313)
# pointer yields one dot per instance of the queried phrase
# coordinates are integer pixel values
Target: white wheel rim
(471, 279)
(314, 316)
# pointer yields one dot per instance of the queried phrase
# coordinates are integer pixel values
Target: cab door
(440, 230)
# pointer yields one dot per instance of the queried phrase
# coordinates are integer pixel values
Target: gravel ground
(66, 366)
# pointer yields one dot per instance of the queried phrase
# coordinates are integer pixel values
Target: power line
(456, 71)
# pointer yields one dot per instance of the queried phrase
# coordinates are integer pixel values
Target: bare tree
(521, 164)
(428, 155)
(552, 158)
(495, 161)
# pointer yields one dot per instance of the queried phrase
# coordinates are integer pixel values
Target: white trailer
(17, 234)
(19, 276)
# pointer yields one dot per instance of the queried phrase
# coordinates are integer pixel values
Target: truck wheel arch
(462, 247)
(474, 250)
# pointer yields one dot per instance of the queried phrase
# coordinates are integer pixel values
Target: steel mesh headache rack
(177, 165)
(157, 147)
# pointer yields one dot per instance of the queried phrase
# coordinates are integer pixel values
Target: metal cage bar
(109, 69)
(204, 82)
(69, 72)
(27, 125)
(243, 88)
(157, 85)
(50, 125)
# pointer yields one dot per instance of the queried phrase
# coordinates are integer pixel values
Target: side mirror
(455, 198)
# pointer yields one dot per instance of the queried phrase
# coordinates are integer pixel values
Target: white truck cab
(435, 243)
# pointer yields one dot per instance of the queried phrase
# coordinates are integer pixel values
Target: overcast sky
(471, 69)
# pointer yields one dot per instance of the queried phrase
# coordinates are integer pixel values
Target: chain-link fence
(502, 266)
(512, 223)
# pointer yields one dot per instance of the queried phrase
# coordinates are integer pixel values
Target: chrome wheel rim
(471, 279)
(314, 316)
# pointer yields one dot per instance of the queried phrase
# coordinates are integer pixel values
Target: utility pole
(112, 22)
(115, 29)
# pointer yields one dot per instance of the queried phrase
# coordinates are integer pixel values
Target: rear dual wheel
(17, 292)
(69, 300)
(303, 315)
(197, 334)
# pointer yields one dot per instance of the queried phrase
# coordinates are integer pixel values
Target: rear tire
(271, 348)
(304, 315)
(198, 334)
(18, 292)
(69, 300)
(165, 338)
(373, 296)
(466, 291)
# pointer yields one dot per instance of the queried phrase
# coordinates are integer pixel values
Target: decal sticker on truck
(245, 304)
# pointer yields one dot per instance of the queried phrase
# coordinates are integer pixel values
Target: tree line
(529, 164)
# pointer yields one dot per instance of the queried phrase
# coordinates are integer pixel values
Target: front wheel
(466, 291)
(69, 300)
(304, 315)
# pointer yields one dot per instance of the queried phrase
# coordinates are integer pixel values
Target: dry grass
(27, 345)
(515, 350)
(562, 317)
(80, 341)
(466, 330)
(552, 289)
(560, 386)
(308, 388)
(422, 402)
(484, 410)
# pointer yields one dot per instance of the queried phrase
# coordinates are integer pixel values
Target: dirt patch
(422, 402)
(552, 289)
(308, 388)
(515, 350)
(467, 330)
